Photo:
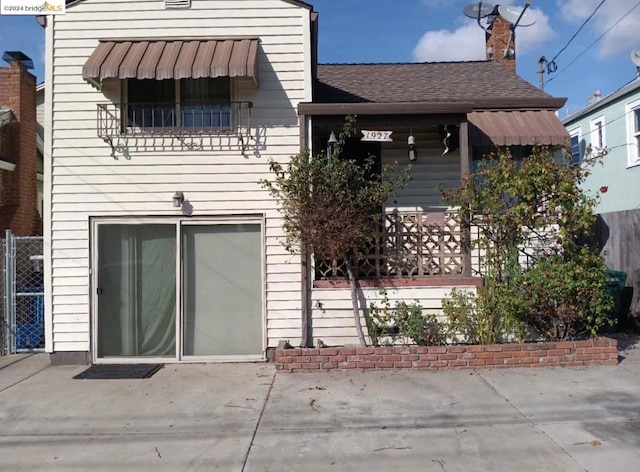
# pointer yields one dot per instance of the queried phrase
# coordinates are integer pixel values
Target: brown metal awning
(516, 128)
(175, 58)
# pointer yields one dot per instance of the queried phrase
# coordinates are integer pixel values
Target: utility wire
(594, 43)
(579, 29)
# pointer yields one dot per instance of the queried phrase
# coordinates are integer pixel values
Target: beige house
(161, 118)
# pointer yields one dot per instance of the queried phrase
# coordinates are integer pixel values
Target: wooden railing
(409, 244)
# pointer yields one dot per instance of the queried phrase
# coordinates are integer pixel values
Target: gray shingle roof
(419, 82)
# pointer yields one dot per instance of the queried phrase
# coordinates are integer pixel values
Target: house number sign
(377, 136)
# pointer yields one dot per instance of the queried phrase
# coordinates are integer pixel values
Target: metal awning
(516, 128)
(173, 58)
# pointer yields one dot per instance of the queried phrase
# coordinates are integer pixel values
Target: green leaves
(532, 209)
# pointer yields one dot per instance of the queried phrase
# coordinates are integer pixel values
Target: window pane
(151, 103)
(205, 91)
(575, 149)
(636, 114)
(205, 103)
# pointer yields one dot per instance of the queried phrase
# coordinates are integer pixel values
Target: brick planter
(601, 351)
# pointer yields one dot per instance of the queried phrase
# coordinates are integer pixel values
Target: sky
(436, 30)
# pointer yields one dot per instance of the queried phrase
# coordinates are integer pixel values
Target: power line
(594, 43)
(579, 29)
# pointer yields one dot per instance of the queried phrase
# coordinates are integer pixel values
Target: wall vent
(177, 3)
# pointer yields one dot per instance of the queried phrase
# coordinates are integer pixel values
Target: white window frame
(633, 137)
(576, 132)
(597, 147)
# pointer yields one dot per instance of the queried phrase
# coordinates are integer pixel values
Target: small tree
(535, 210)
(331, 206)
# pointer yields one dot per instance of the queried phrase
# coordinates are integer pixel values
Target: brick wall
(602, 351)
(19, 210)
(497, 41)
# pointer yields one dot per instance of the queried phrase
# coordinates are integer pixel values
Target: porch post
(465, 168)
(306, 338)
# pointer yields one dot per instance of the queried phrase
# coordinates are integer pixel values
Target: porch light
(178, 199)
(413, 154)
(330, 144)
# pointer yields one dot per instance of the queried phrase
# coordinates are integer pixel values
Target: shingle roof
(419, 82)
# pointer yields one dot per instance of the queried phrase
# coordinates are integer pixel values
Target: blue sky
(435, 30)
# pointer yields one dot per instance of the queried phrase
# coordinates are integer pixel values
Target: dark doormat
(119, 371)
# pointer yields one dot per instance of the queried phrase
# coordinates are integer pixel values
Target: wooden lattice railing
(410, 244)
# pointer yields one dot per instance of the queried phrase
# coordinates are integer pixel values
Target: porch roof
(173, 58)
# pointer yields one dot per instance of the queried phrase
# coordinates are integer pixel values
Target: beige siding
(86, 181)
(429, 171)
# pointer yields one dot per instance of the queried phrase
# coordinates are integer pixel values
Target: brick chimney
(18, 210)
(497, 40)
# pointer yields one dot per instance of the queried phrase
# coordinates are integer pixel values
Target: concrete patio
(244, 417)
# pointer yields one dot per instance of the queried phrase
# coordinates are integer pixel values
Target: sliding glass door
(178, 290)
(136, 290)
(222, 275)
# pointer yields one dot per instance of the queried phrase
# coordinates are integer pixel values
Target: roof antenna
(479, 10)
(517, 17)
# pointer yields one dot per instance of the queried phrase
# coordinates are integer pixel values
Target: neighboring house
(40, 146)
(161, 244)
(18, 153)
(610, 124)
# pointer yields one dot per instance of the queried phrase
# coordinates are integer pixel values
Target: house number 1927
(379, 136)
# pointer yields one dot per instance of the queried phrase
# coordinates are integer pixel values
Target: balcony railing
(409, 244)
(171, 119)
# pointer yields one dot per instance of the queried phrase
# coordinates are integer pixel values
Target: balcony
(409, 245)
(120, 124)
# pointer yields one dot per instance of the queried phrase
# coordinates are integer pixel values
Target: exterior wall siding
(623, 192)
(85, 181)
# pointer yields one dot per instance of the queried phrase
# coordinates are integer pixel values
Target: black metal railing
(166, 119)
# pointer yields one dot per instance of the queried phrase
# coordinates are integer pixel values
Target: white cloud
(463, 44)
(624, 37)
(467, 42)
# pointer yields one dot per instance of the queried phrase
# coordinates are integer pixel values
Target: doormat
(119, 371)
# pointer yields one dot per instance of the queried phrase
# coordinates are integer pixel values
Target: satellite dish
(478, 10)
(516, 15)
(635, 57)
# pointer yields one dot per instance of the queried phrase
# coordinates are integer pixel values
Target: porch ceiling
(173, 58)
(516, 128)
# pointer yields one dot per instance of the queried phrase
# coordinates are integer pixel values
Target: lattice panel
(410, 244)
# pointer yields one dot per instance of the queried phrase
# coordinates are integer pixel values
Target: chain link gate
(23, 300)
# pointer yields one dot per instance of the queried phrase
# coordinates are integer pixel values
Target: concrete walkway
(243, 417)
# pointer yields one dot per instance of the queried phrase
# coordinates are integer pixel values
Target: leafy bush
(488, 318)
(534, 210)
(405, 323)
(567, 297)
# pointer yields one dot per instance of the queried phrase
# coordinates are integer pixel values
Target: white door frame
(178, 222)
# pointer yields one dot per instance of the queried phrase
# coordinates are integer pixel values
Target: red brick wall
(497, 42)
(602, 351)
(19, 211)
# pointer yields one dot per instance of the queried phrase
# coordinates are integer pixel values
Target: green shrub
(486, 318)
(567, 297)
(404, 323)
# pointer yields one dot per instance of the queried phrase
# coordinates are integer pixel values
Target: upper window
(186, 103)
(597, 134)
(576, 154)
(633, 133)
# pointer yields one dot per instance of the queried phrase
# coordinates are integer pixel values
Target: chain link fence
(23, 294)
